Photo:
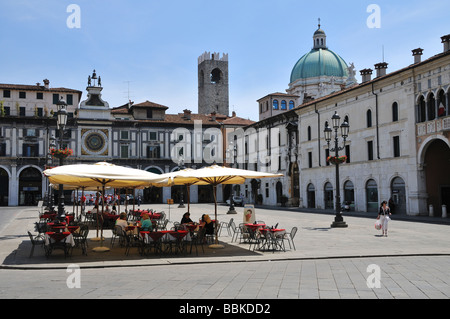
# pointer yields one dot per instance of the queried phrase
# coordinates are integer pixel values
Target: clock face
(95, 142)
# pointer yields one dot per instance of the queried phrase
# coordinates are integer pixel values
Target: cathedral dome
(320, 61)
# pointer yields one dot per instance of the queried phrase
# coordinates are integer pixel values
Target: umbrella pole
(102, 248)
(216, 245)
(189, 197)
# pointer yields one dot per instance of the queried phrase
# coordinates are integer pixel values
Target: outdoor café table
(252, 230)
(271, 239)
(175, 237)
(152, 239)
(48, 216)
(58, 240)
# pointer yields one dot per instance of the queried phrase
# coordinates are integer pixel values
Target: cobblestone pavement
(400, 277)
(354, 262)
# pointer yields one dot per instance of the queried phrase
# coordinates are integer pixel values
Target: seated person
(186, 219)
(146, 223)
(107, 210)
(208, 224)
(94, 210)
(114, 210)
(122, 221)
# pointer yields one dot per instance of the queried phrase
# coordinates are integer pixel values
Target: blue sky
(153, 46)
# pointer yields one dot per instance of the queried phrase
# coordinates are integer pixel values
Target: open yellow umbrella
(215, 175)
(101, 174)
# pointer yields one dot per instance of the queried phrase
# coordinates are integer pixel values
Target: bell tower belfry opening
(213, 83)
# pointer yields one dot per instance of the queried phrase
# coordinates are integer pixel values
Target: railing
(438, 125)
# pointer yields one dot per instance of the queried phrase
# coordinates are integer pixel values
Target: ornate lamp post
(233, 150)
(62, 121)
(51, 145)
(181, 166)
(335, 119)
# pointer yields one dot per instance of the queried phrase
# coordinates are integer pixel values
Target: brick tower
(213, 83)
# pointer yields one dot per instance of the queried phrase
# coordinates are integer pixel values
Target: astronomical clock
(94, 142)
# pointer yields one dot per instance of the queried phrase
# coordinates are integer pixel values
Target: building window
(422, 109)
(395, 112)
(7, 111)
(30, 150)
(124, 135)
(55, 98)
(309, 133)
(22, 111)
(39, 96)
(153, 152)
(370, 150)
(369, 118)
(283, 105)
(149, 113)
(347, 153)
(152, 136)
(124, 151)
(30, 132)
(69, 99)
(6, 93)
(2, 149)
(310, 159)
(22, 95)
(396, 142)
(275, 104)
(291, 105)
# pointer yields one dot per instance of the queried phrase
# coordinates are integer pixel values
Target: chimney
(213, 116)
(366, 75)
(417, 54)
(381, 69)
(47, 84)
(446, 40)
(187, 114)
(233, 114)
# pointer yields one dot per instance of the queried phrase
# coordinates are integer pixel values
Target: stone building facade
(398, 147)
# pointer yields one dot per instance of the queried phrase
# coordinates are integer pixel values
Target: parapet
(212, 56)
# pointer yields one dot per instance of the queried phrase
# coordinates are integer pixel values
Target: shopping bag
(378, 224)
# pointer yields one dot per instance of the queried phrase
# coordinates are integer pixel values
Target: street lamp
(181, 166)
(233, 150)
(62, 121)
(345, 127)
(51, 145)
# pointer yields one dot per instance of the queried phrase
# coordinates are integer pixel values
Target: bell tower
(213, 83)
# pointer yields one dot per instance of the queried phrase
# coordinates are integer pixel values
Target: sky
(148, 50)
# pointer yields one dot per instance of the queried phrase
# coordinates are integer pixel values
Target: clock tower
(94, 119)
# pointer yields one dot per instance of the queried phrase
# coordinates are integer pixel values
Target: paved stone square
(327, 263)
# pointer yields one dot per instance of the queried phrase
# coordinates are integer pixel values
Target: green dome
(319, 62)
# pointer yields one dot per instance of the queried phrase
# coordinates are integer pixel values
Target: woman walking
(383, 216)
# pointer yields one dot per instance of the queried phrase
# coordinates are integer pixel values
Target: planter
(61, 153)
(336, 160)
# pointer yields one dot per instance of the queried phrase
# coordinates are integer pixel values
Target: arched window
(216, 75)
(441, 103)
(291, 105)
(275, 104)
(369, 118)
(431, 107)
(395, 112)
(422, 109)
(283, 105)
